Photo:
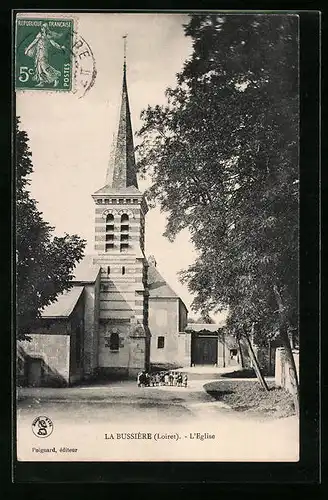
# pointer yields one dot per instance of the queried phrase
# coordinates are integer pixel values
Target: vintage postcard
(157, 169)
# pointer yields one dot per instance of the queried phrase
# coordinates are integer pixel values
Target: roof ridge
(64, 304)
(162, 283)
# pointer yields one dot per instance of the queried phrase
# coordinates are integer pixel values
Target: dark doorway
(204, 350)
(34, 372)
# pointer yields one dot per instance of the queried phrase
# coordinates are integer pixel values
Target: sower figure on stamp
(39, 51)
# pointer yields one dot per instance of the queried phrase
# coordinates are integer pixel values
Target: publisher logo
(42, 427)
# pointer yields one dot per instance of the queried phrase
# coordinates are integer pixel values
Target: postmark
(85, 71)
(42, 426)
(43, 54)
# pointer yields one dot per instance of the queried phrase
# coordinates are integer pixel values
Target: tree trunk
(241, 357)
(257, 368)
(224, 351)
(284, 334)
(291, 337)
(269, 356)
(292, 367)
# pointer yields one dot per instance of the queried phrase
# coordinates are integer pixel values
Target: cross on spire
(125, 44)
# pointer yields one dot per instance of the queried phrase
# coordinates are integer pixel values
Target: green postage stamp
(44, 54)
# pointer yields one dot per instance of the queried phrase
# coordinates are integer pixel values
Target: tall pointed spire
(121, 172)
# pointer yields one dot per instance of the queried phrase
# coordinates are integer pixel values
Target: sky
(71, 137)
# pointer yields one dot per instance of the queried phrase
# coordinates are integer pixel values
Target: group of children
(171, 378)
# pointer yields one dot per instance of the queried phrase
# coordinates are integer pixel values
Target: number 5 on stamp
(43, 50)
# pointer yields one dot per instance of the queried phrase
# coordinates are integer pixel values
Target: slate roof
(64, 305)
(124, 167)
(157, 285)
(86, 271)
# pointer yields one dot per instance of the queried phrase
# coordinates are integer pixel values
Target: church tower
(120, 210)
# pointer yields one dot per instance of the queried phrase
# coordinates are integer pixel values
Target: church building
(100, 327)
(120, 316)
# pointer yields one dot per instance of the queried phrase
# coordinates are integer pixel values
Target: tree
(44, 263)
(205, 318)
(223, 156)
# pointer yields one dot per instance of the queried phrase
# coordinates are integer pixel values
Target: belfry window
(109, 222)
(123, 269)
(114, 341)
(124, 222)
(124, 239)
(109, 232)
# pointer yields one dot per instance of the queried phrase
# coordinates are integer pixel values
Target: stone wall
(282, 369)
(129, 358)
(164, 322)
(54, 351)
(107, 357)
(183, 316)
(91, 328)
(77, 335)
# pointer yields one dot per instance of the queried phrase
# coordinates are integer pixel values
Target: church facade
(120, 316)
(101, 326)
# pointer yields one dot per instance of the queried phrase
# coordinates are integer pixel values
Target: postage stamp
(43, 53)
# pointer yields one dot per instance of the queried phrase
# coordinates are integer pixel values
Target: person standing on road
(185, 380)
(147, 379)
(139, 379)
(171, 378)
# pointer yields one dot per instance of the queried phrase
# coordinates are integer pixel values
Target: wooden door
(205, 351)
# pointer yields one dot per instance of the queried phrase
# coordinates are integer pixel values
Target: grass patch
(248, 396)
(244, 373)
